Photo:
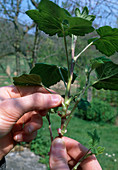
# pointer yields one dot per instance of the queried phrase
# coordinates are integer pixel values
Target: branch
(20, 1)
(18, 7)
(34, 3)
(6, 54)
(51, 55)
(29, 27)
(6, 11)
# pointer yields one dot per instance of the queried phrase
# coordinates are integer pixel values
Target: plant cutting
(54, 20)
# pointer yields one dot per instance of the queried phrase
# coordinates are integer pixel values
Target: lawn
(78, 129)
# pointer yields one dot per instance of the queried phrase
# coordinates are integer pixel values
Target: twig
(34, 3)
(84, 157)
(50, 129)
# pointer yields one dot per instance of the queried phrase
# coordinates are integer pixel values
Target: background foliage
(98, 111)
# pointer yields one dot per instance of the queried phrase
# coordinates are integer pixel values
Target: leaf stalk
(75, 58)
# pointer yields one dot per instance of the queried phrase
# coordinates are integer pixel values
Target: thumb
(58, 155)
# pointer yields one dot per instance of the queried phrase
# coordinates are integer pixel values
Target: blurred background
(22, 45)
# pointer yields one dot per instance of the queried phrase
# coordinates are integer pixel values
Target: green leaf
(53, 19)
(79, 26)
(107, 75)
(84, 14)
(95, 139)
(27, 80)
(83, 104)
(108, 41)
(47, 25)
(97, 150)
(50, 73)
(100, 150)
(94, 151)
(49, 17)
(96, 62)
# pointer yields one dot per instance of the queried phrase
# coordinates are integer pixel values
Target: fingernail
(56, 98)
(18, 137)
(58, 143)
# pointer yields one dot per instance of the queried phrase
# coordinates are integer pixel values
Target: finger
(19, 125)
(27, 116)
(34, 124)
(12, 109)
(37, 101)
(58, 155)
(23, 137)
(76, 151)
(19, 91)
(29, 122)
(89, 163)
(27, 90)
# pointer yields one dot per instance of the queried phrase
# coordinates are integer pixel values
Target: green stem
(74, 38)
(68, 88)
(76, 103)
(65, 43)
(48, 89)
(67, 93)
(83, 50)
(83, 158)
(50, 129)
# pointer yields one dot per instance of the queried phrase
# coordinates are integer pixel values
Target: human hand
(65, 154)
(21, 111)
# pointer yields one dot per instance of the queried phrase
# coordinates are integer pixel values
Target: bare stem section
(50, 129)
(65, 119)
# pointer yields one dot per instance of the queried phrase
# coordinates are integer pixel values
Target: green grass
(77, 130)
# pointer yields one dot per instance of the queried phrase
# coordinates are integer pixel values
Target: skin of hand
(65, 153)
(21, 111)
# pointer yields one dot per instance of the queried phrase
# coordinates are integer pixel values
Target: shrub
(98, 111)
